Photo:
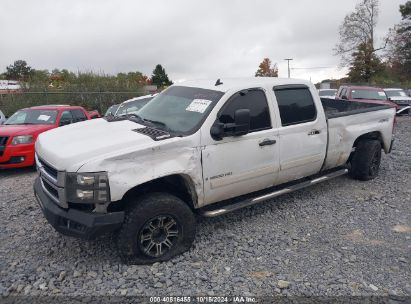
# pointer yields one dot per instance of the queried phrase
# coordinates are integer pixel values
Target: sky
(191, 39)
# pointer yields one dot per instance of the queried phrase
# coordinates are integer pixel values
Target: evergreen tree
(160, 77)
(365, 64)
(18, 71)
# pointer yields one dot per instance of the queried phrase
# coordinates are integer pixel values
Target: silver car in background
(327, 93)
(400, 97)
(133, 105)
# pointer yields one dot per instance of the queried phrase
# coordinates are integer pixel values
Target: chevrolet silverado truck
(201, 148)
(19, 133)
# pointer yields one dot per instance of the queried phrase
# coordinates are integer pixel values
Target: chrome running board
(251, 201)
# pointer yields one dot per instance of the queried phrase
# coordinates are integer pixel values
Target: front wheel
(158, 227)
(365, 163)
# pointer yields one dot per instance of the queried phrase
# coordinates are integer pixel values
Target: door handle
(314, 132)
(267, 142)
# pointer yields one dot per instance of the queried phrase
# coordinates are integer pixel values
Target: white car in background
(133, 105)
(327, 93)
(401, 98)
(2, 118)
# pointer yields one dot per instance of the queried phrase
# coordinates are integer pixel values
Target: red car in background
(364, 94)
(19, 133)
(94, 114)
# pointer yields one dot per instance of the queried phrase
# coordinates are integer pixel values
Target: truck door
(236, 165)
(303, 132)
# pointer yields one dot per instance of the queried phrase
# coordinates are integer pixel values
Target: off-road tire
(140, 218)
(366, 160)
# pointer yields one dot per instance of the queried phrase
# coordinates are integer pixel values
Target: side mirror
(64, 122)
(242, 122)
(344, 97)
(217, 131)
(240, 126)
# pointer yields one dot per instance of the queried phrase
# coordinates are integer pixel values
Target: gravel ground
(342, 237)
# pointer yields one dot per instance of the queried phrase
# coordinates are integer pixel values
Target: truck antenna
(218, 82)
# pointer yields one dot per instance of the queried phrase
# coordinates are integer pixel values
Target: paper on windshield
(198, 105)
(43, 117)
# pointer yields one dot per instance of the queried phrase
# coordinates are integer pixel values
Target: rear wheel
(365, 163)
(158, 227)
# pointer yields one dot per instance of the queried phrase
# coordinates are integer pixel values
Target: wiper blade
(156, 122)
(131, 116)
(159, 123)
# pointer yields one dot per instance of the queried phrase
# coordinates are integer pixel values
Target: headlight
(87, 187)
(23, 139)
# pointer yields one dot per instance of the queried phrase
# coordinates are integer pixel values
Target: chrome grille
(49, 169)
(52, 182)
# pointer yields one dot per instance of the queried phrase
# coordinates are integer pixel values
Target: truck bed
(338, 108)
(348, 120)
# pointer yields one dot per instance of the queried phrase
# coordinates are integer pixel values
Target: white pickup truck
(201, 148)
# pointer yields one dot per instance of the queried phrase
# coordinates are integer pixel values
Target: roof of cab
(393, 89)
(52, 107)
(138, 98)
(359, 87)
(240, 83)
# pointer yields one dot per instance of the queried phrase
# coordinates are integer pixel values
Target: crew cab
(364, 94)
(19, 133)
(201, 147)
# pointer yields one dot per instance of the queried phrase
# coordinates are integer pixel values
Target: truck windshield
(368, 94)
(32, 117)
(327, 92)
(112, 110)
(132, 107)
(180, 109)
(396, 93)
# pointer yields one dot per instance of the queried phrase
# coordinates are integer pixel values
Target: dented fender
(136, 165)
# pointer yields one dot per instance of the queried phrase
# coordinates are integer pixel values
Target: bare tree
(357, 29)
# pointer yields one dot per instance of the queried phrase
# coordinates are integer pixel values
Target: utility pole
(288, 63)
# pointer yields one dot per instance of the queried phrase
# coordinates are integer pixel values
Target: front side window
(180, 109)
(296, 105)
(343, 92)
(254, 100)
(32, 117)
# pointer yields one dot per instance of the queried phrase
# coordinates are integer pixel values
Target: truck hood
(14, 130)
(401, 99)
(70, 147)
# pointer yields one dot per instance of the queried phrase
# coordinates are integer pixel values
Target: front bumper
(73, 222)
(11, 153)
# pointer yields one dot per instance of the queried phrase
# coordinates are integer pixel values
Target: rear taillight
(394, 123)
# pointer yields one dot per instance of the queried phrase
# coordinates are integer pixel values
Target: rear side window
(296, 105)
(78, 115)
(256, 102)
